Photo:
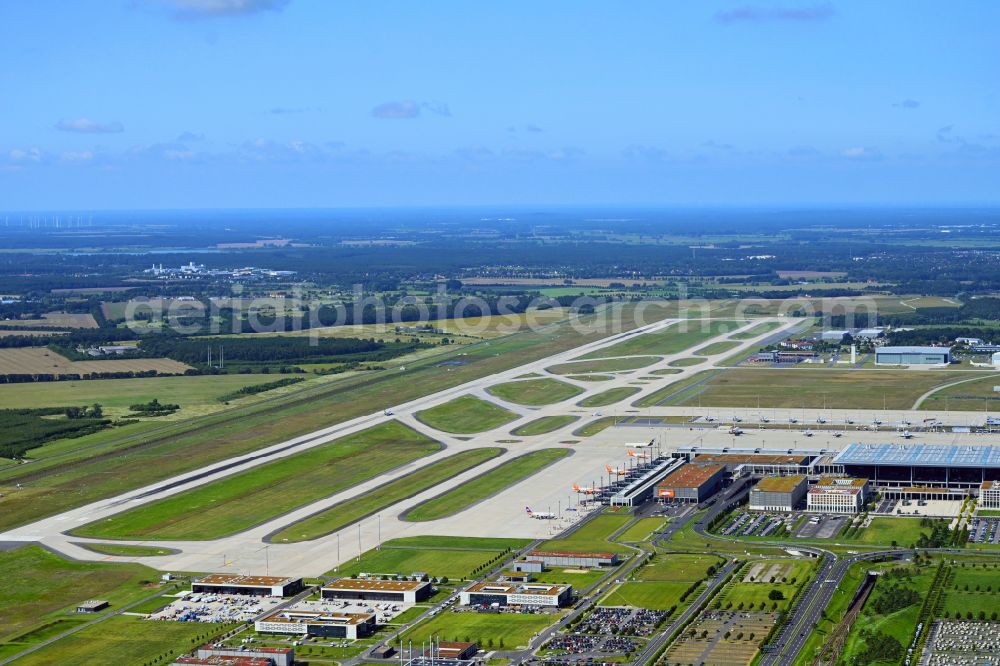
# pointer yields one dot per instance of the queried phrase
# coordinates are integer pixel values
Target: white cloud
(88, 126)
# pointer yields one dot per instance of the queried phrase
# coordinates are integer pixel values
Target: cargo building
(778, 493)
(259, 586)
(691, 482)
(311, 623)
(372, 589)
(487, 593)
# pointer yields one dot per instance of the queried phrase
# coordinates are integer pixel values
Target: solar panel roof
(920, 455)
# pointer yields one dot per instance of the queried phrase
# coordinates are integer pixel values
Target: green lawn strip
(40, 586)
(654, 596)
(608, 397)
(455, 564)
(678, 567)
(126, 458)
(972, 395)
(238, 502)
(884, 531)
(592, 536)
(535, 392)
(590, 378)
(488, 629)
(685, 362)
(606, 365)
(593, 427)
(754, 331)
(682, 388)
(720, 347)
(675, 338)
(466, 415)
(125, 550)
(468, 543)
(124, 640)
(484, 486)
(641, 530)
(544, 425)
(354, 509)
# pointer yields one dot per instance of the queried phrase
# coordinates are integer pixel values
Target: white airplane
(539, 515)
(876, 422)
(808, 433)
(793, 420)
(736, 430)
(587, 490)
(387, 412)
(640, 456)
(849, 421)
(640, 445)
(710, 419)
(906, 434)
(764, 419)
(820, 420)
(620, 471)
(838, 434)
(737, 419)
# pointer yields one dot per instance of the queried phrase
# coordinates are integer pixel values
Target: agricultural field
(535, 392)
(22, 333)
(396, 556)
(466, 415)
(482, 487)
(544, 425)
(240, 501)
(506, 630)
(44, 361)
(607, 365)
(56, 320)
(40, 586)
(673, 339)
(836, 389)
(349, 511)
(609, 397)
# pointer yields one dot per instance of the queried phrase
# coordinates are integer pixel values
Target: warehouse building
(92, 606)
(921, 465)
(486, 593)
(691, 483)
(837, 495)
(312, 623)
(459, 650)
(913, 356)
(989, 495)
(778, 493)
(220, 655)
(569, 558)
(371, 589)
(259, 586)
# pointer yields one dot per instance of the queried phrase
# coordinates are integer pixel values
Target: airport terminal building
(921, 465)
(778, 493)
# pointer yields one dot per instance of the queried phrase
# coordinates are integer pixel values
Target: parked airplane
(587, 490)
(906, 434)
(640, 456)
(539, 515)
(808, 433)
(620, 471)
(736, 430)
(640, 445)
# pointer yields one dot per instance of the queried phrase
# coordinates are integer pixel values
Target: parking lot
(757, 524)
(215, 608)
(956, 643)
(984, 530)
(721, 638)
(821, 527)
(620, 620)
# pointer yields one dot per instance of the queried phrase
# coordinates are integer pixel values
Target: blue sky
(312, 103)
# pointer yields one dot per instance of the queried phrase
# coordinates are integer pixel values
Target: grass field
(972, 588)
(641, 530)
(673, 339)
(41, 360)
(609, 397)
(544, 425)
(608, 365)
(235, 503)
(469, 543)
(754, 331)
(466, 415)
(592, 536)
(125, 550)
(651, 595)
(488, 629)
(590, 378)
(678, 567)
(885, 531)
(455, 564)
(39, 586)
(535, 392)
(56, 320)
(683, 388)
(354, 509)
(720, 347)
(837, 389)
(741, 595)
(124, 640)
(490, 483)
(685, 362)
(196, 395)
(114, 461)
(977, 394)
(593, 427)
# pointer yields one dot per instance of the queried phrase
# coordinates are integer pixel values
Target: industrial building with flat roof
(837, 495)
(570, 558)
(926, 465)
(778, 493)
(758, 463)
(220, 655)
(372, 589)
(315, 623)
(691, 482)
(487, 593)
(912, 355)
(261, 586)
